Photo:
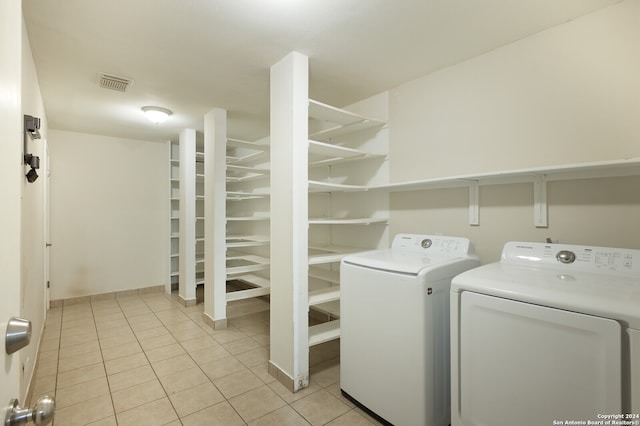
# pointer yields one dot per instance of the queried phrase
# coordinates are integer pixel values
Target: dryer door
(529, 365)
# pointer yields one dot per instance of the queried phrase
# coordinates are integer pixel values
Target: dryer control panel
(586, 258)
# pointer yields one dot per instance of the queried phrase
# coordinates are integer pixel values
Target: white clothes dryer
(394, 327)
(548, 335)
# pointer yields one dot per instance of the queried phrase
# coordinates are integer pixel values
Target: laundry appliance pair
(549, 333)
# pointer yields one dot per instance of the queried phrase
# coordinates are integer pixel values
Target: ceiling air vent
(113, 82)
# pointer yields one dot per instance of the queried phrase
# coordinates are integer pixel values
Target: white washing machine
(548, 335)
(394, 327)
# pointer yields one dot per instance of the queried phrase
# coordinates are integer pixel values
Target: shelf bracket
(540, 202)
(474, 203)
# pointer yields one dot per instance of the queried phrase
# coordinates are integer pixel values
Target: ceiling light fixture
(156, 115)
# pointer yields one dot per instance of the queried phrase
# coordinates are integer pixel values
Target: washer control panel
(617, 260)
(432, 244)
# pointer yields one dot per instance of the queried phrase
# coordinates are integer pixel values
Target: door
(11, 181)
(532, 365)
(47, 230)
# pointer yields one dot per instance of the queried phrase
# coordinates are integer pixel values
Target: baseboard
(105, 296)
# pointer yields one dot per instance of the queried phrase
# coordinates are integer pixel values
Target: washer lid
(398, 261)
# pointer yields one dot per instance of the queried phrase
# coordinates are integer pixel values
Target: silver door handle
(41, 413)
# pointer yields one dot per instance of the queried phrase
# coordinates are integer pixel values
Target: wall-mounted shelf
(324, 295)
(244, 173)
(325, 154)
(346, 221)
(538, 176)
(325, 253)
(335, 122)
(324, 332)
(242, 195)
(241, 263)
(323, 274)
(246, 218)
(236, 241)
(319, 186)
(251, 151)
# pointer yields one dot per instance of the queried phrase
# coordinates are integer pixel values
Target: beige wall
(109, 214)
(570, 94)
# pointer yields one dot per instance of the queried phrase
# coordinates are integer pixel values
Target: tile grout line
(148, 360)
(104, 367)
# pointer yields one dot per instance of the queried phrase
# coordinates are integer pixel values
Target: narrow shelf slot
(261, 287)
(244, 263)
(236, 241)
(329, 294)
(324, 274)
(331, 308)
(319, 254)
(324, 332)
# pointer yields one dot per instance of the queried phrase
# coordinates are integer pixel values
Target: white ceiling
(193, 55)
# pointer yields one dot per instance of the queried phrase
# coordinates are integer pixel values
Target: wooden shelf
(324, 332)
(538, 176)
(329, 294)
(246, 218)
(331, 308)
(319, 186)
(257, 151)
(236, 241)
(240, 195)
(261, 287)
(600, 169)
(325, 154)
(240, 264)
(319, 254)
(346, 221)
(325, 274)
(340, 122)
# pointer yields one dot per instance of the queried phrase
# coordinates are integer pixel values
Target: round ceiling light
(156, 115)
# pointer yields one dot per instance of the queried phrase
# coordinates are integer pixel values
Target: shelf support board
(474, 203)
(540, 201)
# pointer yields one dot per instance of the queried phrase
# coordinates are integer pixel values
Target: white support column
(215, 189)
(187, 283)
(289, 357)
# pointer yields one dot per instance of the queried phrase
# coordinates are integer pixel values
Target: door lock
(18, 334)
(41, 414)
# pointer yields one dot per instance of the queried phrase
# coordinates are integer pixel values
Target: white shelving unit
(324, 162)
(247, 201)
(174, 200)
(336, 225)
(237, 226)
(200, 218)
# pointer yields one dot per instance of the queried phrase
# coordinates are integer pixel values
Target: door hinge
(48, 284)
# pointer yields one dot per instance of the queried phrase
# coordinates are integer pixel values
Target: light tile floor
(147, 360)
